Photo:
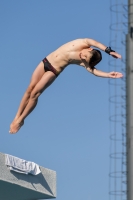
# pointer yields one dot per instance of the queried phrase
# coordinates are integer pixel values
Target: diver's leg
(44, 82)
(36, 76)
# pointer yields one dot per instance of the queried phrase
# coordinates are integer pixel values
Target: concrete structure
(129, 100)
(16, 186)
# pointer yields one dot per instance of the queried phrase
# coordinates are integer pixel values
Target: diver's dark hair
(96, 58)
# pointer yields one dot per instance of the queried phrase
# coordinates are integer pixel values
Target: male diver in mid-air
(78, 52)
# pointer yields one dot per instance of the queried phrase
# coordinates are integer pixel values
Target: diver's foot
(15, 126)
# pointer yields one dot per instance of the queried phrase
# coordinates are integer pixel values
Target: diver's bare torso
(68, 53)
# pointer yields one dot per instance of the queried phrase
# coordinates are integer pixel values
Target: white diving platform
(17, 186)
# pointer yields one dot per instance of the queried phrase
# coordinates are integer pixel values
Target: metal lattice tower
(117, 106)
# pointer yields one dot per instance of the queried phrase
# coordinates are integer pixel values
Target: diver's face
(86, 54)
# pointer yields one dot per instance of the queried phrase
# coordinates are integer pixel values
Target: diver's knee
(34, 95)
(30, 89)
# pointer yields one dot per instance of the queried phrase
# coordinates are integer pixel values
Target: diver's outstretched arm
(108, 50)
(105, 74)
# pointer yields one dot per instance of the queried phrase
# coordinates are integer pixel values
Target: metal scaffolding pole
(129, 101)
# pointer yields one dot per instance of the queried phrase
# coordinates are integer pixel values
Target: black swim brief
(49, 67)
